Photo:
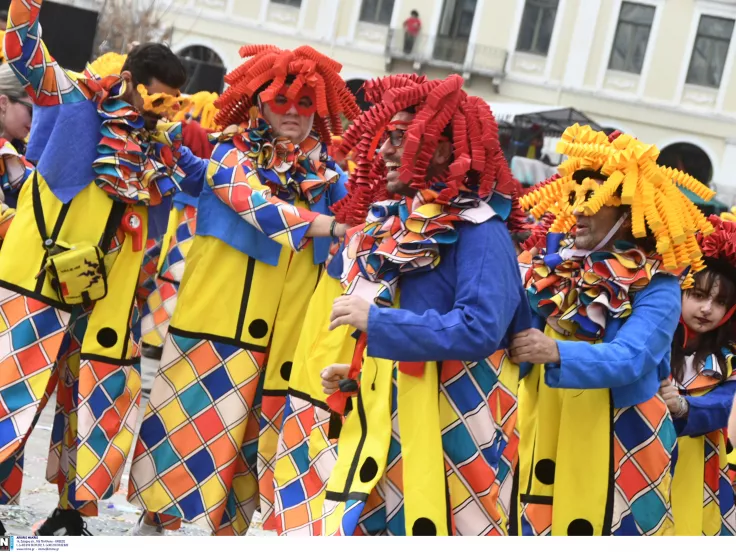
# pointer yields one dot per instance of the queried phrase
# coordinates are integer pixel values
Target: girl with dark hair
(701, 391)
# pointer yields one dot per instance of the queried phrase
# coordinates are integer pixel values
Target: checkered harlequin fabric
(96, 403)
(172, 268)
(643, 444)
(477, 410)
(161, 301)
(304, 461)
(45, 81)
(718, 496)
(31, 335)
(233, 172)
(196, 454)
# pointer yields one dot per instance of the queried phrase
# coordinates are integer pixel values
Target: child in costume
(701, 391)
(431, 283)
(597, 440)
(209, 436)
(103, 167)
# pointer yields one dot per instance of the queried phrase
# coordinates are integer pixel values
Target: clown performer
(431, 284)
(701, 391)
(607, 298)
(103, 167)
(229, 351)
(164, 266)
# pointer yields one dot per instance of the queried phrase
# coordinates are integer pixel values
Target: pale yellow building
(660, 69)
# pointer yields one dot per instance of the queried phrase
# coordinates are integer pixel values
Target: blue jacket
(635, 354)
(467, 308)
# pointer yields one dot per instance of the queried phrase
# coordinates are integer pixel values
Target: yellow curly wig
(632, 177)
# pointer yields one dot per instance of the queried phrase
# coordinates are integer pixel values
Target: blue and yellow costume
(702, 492)
(80, 192)
(597, 441)
(208, 440)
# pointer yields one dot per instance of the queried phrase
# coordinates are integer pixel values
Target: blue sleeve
(640, 345)
(708, 412)
(488, 305)
(338, 189)
(195, 169)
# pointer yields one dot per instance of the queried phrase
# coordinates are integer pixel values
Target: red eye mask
(281, 104)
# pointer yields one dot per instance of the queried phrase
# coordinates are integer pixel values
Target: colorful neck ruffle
(303, 171)
(399, 238)
(709, 374)
(13, 167)
(580, 293)
(134, 165)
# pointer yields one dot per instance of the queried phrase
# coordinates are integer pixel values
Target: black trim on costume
(246, 296)
(361, 443)
(536, 499)
(114, 220)
(128, 329)
(312, 401)
(448, 503)
(514, 506)
(274, 392)
(608, 516)
(37, 296)
(344, 497)
(218, 339)
(113, 361)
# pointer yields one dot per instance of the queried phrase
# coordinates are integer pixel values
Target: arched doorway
(205, 68)
(689, 158)
(356, 87)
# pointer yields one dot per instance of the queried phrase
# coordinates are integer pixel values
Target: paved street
(39, 498)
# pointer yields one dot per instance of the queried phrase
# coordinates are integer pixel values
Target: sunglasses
(25, 103)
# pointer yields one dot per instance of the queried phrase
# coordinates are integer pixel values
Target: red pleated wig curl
(477, 164)
(273, 68)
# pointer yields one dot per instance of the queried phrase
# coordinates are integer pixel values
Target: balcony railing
(457, 54)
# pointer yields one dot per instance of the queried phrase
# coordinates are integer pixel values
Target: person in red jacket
(412, 27)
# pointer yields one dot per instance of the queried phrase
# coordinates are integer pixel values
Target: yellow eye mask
(162, 104)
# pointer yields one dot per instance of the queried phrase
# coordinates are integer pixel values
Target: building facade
(662, 70)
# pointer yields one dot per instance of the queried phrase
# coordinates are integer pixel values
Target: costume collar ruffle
(403, 236)
(709, 374)
(133, 164)
(13, 168)
(580, 293)
(303, 171)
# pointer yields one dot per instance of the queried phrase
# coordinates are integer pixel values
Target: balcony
(455, 54)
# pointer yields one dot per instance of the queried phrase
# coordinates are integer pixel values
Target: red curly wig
(477, 165)
(273, 68)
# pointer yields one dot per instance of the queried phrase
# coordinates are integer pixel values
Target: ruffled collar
(579, 294)
(133, 164)
(709, 374)
(403, 236)
(13, 168)
(303, 171)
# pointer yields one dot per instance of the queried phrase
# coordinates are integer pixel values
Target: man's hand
(350, 310)
(676, 404)
(332, 375)
(533, 346)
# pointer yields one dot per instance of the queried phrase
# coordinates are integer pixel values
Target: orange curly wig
(478, 164)
(273, 68)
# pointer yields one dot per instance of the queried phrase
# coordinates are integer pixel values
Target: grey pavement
(39, 498)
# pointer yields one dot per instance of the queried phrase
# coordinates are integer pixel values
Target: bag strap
(48, 243)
